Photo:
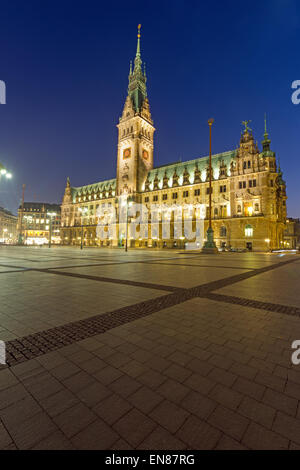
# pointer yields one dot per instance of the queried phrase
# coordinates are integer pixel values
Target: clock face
(145, 155)
(127, 153)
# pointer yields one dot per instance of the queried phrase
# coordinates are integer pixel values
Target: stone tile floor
(161, 370)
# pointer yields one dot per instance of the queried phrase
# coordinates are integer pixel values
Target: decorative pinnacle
(266, 142)
(265, 123)
(245, 123)
(266, 132)
(138, 49)
(279, 167)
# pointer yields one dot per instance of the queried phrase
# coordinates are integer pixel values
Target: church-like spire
(137, 79)
(266, 142)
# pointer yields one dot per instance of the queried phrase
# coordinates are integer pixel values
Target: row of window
(251, 184)
(222, 189)
(247, 164)
(102, 195)
(248, 231)
(143, 132)
(256, 208)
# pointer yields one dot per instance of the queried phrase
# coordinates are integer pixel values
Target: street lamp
(83, 211)
(4, 172)
(209, 245)
(50, 215)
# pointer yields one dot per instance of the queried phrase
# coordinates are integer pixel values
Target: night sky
(66, 63)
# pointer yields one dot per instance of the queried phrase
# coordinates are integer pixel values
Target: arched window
(223, 231)
(256, 207)
(248, 231)
(239, 208)
(216, 212)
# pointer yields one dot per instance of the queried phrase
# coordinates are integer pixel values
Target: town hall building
(248, 190)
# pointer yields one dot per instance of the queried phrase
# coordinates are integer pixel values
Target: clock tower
(135, 132)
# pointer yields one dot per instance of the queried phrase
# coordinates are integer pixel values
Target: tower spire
(266, 142)
(137, 79)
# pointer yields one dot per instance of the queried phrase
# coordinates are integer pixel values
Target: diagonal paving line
(128, 282)
(28, 347)
(15, 267)
(110, 263)
(279, 308)
(19, 270)
(158, 263)
(113, 263)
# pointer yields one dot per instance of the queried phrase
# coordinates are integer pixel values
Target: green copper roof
(93, 188)
(190, 165)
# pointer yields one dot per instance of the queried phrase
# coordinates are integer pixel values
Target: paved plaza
(148, 349)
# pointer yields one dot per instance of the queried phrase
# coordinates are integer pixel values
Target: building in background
(8, 227)
(36, 220)
(248, 190)
(292, 234)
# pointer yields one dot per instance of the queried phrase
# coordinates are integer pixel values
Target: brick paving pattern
(181, 366)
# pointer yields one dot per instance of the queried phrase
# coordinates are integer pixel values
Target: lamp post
(28, 220)
(50, 214)
(20, 240)
(209, 245)
(83, 211)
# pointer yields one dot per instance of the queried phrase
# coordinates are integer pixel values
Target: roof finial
(266, 132)
(247, 129)
(130, 68)
(138, 49)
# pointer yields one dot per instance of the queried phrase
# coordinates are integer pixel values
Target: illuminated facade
(292, 234)
(36, 220)
(248, 192)
(8, 227)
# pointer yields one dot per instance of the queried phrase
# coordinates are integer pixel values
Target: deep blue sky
(65, 64)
